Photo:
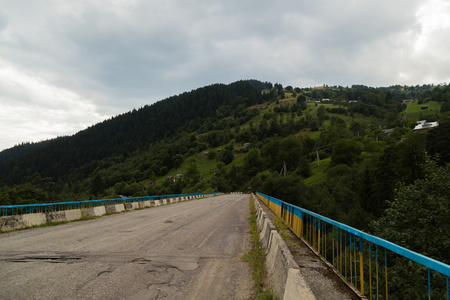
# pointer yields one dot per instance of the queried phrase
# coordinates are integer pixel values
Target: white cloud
(32, 109)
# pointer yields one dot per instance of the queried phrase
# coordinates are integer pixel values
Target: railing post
(361, 271)
(429, 284)
(354, 256)
(370, 271)
(385, 271)
(318, 236)
(376, 247)
(332, 243)
(340, 251)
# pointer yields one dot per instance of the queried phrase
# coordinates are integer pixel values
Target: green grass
(256, 257)
(281, 228)
(414, 110)
(319, 172)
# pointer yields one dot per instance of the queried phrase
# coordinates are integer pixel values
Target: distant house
(424, 107)
(174, 178)
(352, 101)
(246, 145)
(325, 100)
(424, 125)
(178, 176)
(263, 92)
(388, 131)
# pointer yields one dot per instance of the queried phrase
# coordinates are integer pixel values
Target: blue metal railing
(322, 233)
(8, 210)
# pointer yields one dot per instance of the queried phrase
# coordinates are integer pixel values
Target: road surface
(188, 250)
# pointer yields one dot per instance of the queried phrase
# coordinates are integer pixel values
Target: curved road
(188, 250)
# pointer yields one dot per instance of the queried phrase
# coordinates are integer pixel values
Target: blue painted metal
(8, 210)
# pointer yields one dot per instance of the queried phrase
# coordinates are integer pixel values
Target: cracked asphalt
(189, 250)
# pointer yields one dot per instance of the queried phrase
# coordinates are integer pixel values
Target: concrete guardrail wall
(282, 270)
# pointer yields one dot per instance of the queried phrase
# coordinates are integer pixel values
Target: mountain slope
(129, 132)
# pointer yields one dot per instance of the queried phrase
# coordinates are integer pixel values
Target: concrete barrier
(131, 205)
(55, 216)
(63, 215)
(143, 204)
(296, 285)
(8, 223)
(282, 271)
(266, 232)
(157, 202)
(96, 211)
(34, 219)
(73, 214)
(115, 208)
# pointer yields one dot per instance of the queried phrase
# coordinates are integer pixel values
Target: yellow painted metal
(361, 273)
(385, 271)
(377, 280)
(337, 253)
(340, 255)
(318, 241)
(309, 224)
(301, 228)
(315, 236)
(332, 242)
(324, 243)
(351, 264)
(356, 275)
(345, 260)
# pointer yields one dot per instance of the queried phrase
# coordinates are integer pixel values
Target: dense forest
(349, 153)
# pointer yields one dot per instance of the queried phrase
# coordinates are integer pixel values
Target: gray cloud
(112, 58)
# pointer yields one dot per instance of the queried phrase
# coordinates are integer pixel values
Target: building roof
(426, 125)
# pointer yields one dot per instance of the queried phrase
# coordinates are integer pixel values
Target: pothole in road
(46, 258)
(141, 260)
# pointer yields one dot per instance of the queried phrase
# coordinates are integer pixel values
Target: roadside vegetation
(256, 258)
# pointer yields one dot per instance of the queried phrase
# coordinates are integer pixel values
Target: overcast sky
(65, 65)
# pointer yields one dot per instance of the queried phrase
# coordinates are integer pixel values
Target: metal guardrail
(8, 210)
(339, 244)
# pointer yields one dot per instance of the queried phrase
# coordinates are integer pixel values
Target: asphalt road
(188, 250)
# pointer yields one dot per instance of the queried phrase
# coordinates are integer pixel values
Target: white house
(423, 125)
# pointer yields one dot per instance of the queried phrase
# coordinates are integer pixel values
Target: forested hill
(126, 133)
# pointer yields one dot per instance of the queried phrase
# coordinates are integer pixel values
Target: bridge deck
(188, 250)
